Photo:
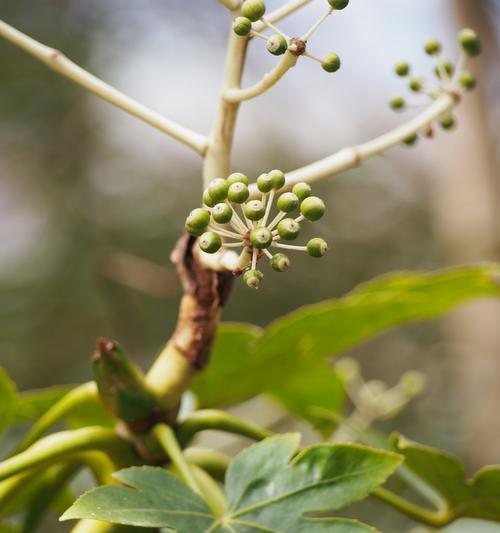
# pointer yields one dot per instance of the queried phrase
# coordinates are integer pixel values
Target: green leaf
(247, 361)
(477, 526)
(478, 497)
(8, 399)
(270, 488)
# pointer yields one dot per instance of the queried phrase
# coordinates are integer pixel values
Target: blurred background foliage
(92, 201)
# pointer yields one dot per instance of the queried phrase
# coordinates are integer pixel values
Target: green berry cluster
(452, 79)
(231, 218)
(278, 43)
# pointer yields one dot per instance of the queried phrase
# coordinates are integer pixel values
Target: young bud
(238, 193)
(331, 62)
(432, 47)
(312, 208)
(238, 177)
(253, 278)
(254, 210)
(447, 122)
(317, 247)
(415, 85)
(210, 242)
(411, 139)
(338, 4)
(253, 9)
(261, 238)
(207, 199)
(287, 202)
(264, 183)
(277, 45)
(198, 219)
(398, 103)
(470, 42)
(280, 262)
(217, 189)
(288, 229)
(222, 213)
(277, 179)
(412, 383)
(242, 26)
(445, 65)
(348, 369)
(467, 81)
(402, 69)
(302, 190)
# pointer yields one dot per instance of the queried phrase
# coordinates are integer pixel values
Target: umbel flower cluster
(256, 230)
(253, 11)
(452, 79)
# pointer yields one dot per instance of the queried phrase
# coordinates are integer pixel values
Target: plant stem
(55, 60)
(230, 4)
(214, 462)
(282, 12)
(220, 421)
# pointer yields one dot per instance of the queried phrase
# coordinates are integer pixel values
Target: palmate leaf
(247, 360)
(477, 497)
(270, 488)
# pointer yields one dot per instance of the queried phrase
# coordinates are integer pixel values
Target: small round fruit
(217, 189)
(338, 4)
(254, 210)
(237, 177)
(287, 202)
(447, 66)
(264, 183)
(253, 9)
(288, 229)
(402, 69)
(242, 26)
(238, 193)
(302, 190)
(280, 262)
(277, 179)
(253, 278)
(447, 122)
(277, 45)
(317, 247)
(193, 231)
(432, 47)
(222, 213)
(198, 219)
(312, 208)
(411, 139)
(261, 238)
(207, 199)
(331, 62)
(470, 42)
(467, 80)
(210, 242)
(398, 103)
(415, 85)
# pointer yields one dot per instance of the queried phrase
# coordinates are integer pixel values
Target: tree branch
(55, 60)
(270, 79)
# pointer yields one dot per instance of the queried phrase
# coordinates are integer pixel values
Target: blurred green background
(92, 200)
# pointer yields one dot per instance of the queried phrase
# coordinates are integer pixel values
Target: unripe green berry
(254, 210)
(447, 122)
(287, 202)
(207, 199)
(280, 262)
(467, 81)
(196, 232)
(198, 219)
(398, 103)
(264, 183)
(277, 45)
(446, 66)
(253, 278)
(253, 9)
(242, 26)
(277, 179)
(470, 42)
(238, 177)
(210, 242)
(411, 139)
(302, 190)
(288, 229)
(402, 69)
(338, 4)
(432, 47)
(312, 208)
(222, 213)
(415, 85)
(317, 247)
(217, 189)
(261, 238)
(331, 62)
(238, 193)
